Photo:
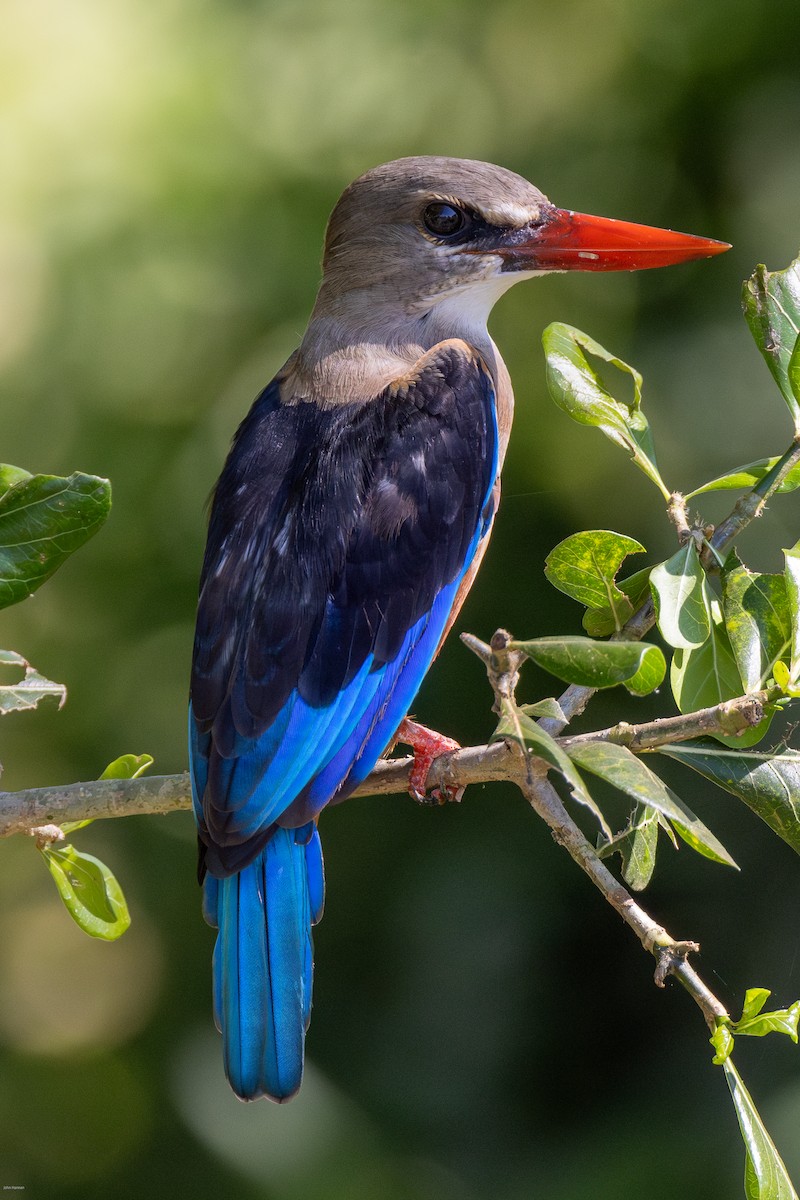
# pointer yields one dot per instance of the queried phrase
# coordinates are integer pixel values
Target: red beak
(570, 241)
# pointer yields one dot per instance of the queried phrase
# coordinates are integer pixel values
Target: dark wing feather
(332, 532)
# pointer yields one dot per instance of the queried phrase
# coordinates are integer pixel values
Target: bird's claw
(427, 745)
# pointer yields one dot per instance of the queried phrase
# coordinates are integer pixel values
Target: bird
(345, 531)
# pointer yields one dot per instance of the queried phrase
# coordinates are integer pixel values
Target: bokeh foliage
(167, 172)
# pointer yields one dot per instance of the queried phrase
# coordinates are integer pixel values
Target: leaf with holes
(28, 691)
(576, 388)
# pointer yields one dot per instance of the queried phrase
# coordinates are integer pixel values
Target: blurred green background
(483, 1027)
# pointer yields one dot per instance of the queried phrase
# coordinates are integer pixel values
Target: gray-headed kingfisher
(345, 531)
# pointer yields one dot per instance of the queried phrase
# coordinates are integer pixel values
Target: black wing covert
(332, 531)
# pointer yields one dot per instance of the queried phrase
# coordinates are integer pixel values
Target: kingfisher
(345, 531)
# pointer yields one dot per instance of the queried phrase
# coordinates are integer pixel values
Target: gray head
(419, 229)
(417, 233)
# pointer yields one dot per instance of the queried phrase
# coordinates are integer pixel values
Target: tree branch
(502, 666)
(38, 810)
(28, 811)
(730, 718)
(670, 955)
(750, 506)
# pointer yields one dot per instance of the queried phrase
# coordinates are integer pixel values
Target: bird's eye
(443, 220)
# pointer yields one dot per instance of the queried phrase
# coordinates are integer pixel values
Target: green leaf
(698, 836)
(43, 519)
(792, 577)
(545, 708)
(576, 388)
(793, 370)
(585, 566)
(621, 768)
(754, 1001)
(771, 302)
(709, 675)
(637, 846)
(766, 1177)
(28, 691)
(128, 766)
(758, 622)
(723, 1041)
(784, 680)
(598, 664)
(649, 676)
(768, 783)
(680, 594)
(599, 622)
(756, 1023)
(9, 476)
(518, 727)
(90, 892)
(748, 476)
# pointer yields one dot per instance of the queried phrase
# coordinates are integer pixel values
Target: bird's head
(436, 234)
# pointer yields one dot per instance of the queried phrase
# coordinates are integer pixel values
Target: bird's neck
(356, 347)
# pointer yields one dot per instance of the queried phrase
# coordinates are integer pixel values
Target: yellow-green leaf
(90, 892)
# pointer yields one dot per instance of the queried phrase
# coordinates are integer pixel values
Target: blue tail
(263, 962)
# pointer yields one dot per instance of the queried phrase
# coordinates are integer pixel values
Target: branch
(502, 666)
(29, 811)
(671, 955)
(730, 718)
(26, 811)
(750, 506)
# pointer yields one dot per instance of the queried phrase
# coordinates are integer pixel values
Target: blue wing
(337, 542)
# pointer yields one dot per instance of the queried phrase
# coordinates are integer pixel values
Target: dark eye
(443, 220)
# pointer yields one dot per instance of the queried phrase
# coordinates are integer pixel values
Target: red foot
(427, 746)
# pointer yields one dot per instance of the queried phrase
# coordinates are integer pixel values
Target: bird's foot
(427, 746)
